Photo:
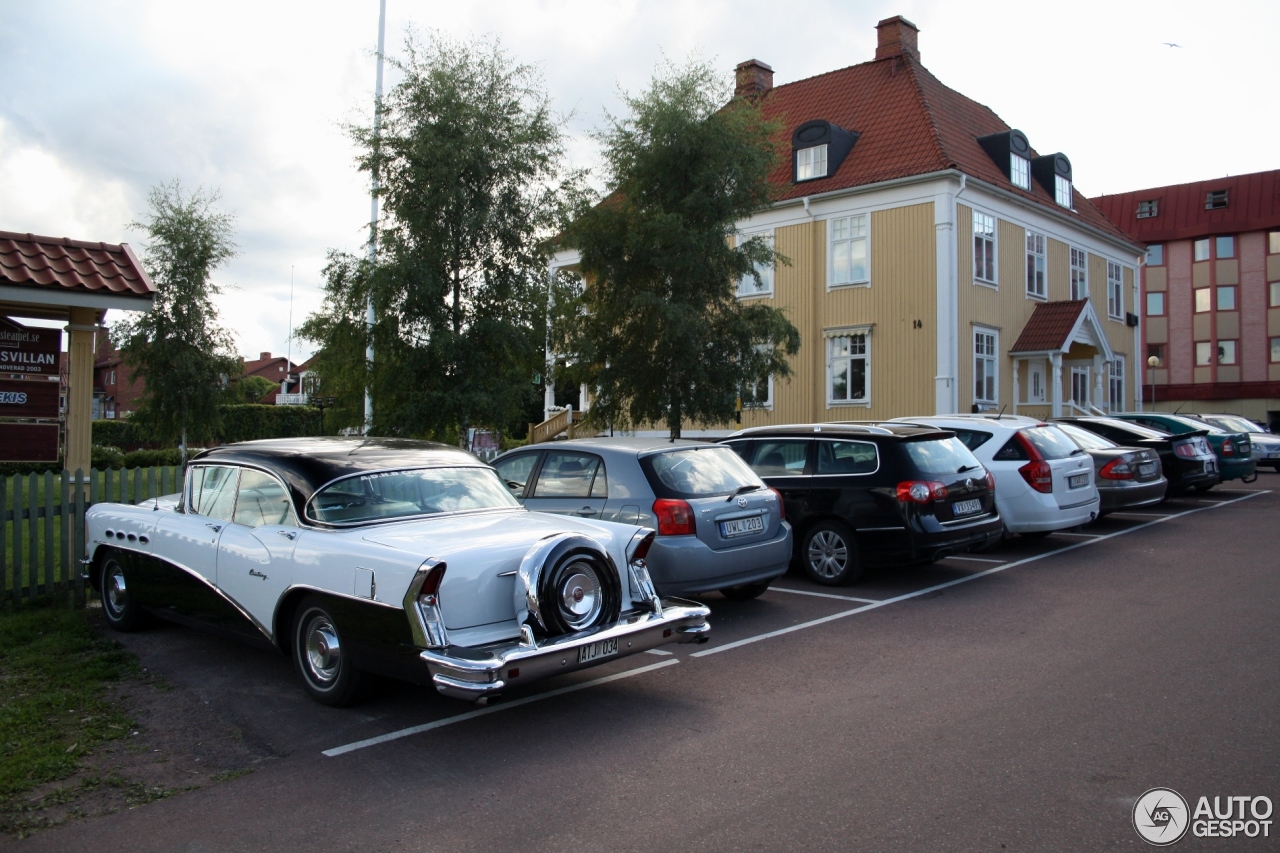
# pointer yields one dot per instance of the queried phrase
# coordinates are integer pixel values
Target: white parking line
(821, 594)
(1143, 514)
(662, 652)
(1066, 533)
(815, 622)
(976, 559)
(492, 709)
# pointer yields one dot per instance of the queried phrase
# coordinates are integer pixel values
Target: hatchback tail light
(921, 491)
(675, 517)
(1185, 449)
(1117, 469)
(782, 506)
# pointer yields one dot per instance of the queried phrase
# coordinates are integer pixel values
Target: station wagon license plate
(1077, 481)
(595, 651)
(1147, 468)
(966, 507)
(742, 526)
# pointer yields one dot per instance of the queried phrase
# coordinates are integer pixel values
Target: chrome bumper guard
(482, 673)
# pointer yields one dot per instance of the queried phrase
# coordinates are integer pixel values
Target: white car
(1044, 481)
(403, 558)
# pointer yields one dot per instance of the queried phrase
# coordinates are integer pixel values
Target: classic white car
(402, 558)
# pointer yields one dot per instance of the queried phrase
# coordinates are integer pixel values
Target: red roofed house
(1211, 291)
(925, 236)
(290, 375)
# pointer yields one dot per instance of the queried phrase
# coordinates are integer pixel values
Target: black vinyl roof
(306, 464)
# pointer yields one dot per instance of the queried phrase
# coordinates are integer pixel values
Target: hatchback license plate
(966, 507)
(742, 526)
(595, 651)
(1147, 468)
(1077, 481)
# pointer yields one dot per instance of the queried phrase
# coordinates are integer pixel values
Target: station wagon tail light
(1117, 469)
(782, 507)
(1038, 475)
(991, 481)
(921, 491)
(675, 517)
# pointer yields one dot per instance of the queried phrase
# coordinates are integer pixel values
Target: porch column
(81, 333)
(1100, 396)
(1055, 365)
(1017, 393)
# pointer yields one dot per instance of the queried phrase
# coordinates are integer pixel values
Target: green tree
(249, 389)
(657, 331)
(469, 161)
(178, 348)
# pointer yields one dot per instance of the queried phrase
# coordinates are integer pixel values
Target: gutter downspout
(946, 247)
(1139, 360)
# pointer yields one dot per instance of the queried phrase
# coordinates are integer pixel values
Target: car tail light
(921, 491)
(428, 606)
(1185, 449)
(991, 482)
(1117, 469)
(642, 550)
(1228, 449)
(1038, 475)
(675, 517)
(782, 506)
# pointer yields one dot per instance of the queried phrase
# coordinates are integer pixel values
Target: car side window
(566, 474)
(214, 493)
(1011, 452)
(972, 438)
(783, 458)
(847, 457)
(515, 471)
(262, 500)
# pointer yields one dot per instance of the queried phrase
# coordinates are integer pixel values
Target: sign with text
(29, 442)
(28, 350)
(32, 398)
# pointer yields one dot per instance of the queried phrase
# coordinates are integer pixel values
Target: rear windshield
(397, 494)
(1130, 427)
(941, 456)
(697, 473)
(1051, 442)
(1235, 424)
(1086, 439)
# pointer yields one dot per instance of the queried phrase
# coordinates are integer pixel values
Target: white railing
(291, 399)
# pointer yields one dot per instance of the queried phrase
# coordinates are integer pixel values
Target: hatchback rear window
(941, 456)
(697, 473)
(1051, 442)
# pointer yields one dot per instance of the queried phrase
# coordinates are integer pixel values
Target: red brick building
(1210, 292)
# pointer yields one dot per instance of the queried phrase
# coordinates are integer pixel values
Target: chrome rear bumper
(484, 672)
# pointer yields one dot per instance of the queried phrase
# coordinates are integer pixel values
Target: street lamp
(1153, 362)
(317, 401)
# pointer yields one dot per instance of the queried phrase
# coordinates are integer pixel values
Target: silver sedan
(719, 527)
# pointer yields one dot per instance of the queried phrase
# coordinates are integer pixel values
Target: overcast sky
(99, 101)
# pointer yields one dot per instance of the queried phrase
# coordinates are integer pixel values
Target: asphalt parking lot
(1017, 699)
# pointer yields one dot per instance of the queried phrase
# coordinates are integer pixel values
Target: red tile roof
(910, 124)
(60, 263)
(1049, 325)
(1253, 204)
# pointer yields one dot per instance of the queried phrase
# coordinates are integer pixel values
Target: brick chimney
(264, 356)
(753, 78)
(895, 36)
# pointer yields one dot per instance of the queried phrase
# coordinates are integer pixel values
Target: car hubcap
(828, 554)
(580, 596)
(324, 652)
(117, 594)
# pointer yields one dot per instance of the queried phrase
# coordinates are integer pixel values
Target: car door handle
(288, 534)
(214, 527)
(587, 512)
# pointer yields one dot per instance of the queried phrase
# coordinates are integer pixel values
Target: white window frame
(747, 284)
(986, 353)
(1081, 268)
(809, 161)
(1036, 370)
(1115, 291)
(855, 222)
(989, 277)
(1115, 384)
(830, 335)
(767, 403)
(1038, 258)
(1019, 171)
(1062, 192)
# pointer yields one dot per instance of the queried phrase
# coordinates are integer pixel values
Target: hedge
(240, 422)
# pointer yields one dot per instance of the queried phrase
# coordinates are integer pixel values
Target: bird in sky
(1171, 44)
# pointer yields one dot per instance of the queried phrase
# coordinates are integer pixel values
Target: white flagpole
(370, 319)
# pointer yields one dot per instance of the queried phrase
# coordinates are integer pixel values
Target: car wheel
(318, 654)
(746, 591)
(829, 555)
(121, 610)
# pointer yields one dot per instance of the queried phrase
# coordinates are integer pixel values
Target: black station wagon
(873, 495)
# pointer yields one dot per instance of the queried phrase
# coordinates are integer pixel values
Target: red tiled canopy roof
(1253, 204)
(1049, 326)
(909, 124)
(59, 263)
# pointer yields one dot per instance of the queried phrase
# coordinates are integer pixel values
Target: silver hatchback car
(719, 527)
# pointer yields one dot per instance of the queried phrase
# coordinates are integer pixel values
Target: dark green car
(1235, 456)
